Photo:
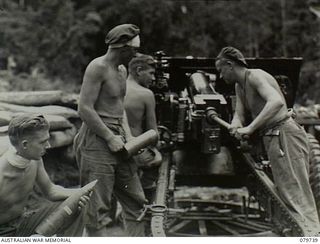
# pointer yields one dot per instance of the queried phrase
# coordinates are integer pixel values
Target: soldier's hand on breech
(233, 129)
(116, 143)
(130, 138)
(122, 71)
(243, 133)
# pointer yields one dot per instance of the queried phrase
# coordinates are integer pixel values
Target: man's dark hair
(233, 54)
(143, 61)
(26, 124)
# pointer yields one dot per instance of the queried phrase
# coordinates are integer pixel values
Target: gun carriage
(194, 109)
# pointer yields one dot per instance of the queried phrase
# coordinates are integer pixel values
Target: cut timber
(38, 98)
(50, 109)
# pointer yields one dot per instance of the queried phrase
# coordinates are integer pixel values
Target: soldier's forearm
(269, 110)
(94, 122)
(237, 121)
(57, 193)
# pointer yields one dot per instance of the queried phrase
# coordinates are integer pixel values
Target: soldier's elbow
(278, 104)
(82, 110)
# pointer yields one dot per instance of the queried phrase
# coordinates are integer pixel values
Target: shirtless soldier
(103, 134)
(140, 108)
(285, 141)
(21, 168)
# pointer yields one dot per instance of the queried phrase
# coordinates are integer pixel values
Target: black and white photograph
(159, 118)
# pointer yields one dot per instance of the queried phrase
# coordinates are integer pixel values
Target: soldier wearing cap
(103, 133)
(285, 141)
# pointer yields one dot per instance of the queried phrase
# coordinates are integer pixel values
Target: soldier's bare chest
(114, 84)
(250, 97)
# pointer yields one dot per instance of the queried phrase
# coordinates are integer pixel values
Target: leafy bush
(60, 37)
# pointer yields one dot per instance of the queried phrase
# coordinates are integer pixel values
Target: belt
(117, 121)
(267, 130)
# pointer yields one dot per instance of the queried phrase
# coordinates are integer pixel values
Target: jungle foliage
(58, 38)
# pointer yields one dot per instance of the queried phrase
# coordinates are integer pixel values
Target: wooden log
(39, 98)
(50, 109)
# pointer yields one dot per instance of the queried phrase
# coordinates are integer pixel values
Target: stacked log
(59, 108)
(39, 98)
(48, 109)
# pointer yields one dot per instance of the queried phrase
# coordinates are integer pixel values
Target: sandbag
(4, 144)
(39, 98)
(57, 122)
(5, 117)
(62, 138)
(50, 109)
(4, 130)
(57, 139)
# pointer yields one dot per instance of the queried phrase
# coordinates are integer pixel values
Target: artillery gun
(194, 107)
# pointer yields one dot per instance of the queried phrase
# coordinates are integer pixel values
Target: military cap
(233, 54)
(120, 35)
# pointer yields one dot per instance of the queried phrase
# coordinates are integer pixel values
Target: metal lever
(144, 212)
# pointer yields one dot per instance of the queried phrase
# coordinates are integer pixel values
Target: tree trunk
(284, 28)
